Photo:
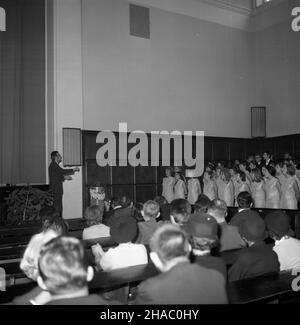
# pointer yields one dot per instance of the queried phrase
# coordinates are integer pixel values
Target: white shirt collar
(277, 242)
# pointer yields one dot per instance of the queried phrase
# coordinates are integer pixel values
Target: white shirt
(96, 231)
(288, 252)
(124, 255)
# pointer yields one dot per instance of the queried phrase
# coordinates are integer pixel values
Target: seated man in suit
(180, 281)
(202, 204)
(286, 247)
(229, 235)
(123, 231)
(245, 202)
(180, 212)
(121, 206)
(150, 213)
(165, 208)
(64, 274)
(258, 258)
(203, 232)
(95, 229)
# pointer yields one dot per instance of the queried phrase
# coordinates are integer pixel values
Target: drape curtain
(10, 93)
(22, 93)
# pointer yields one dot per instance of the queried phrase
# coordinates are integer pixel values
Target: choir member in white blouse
(168, 185)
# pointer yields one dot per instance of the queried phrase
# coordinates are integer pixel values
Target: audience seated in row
(185, 250)
(52, 227)
(258, 258)
(123, 231)
(202, 230)
(94, 217)
(245, 203)
(228, 234)
(286, 247)
(64, 274)
(180, 281)
(146, 229)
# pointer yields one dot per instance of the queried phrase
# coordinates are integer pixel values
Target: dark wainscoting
(143, 183)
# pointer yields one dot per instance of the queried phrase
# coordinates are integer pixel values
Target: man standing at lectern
(56, 177)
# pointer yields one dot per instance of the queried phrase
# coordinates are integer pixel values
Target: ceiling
(233, 13)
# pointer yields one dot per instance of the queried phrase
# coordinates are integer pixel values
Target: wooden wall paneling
(283, 145)
(297, 147)
(122, 175)
(96, 175)
(237, 150)
(145, 193)
(145, 175)
(251, 147)
(207, 149)
(119, 190)
(221, 150)
(266, 145)
(159, 189)
(161, 173)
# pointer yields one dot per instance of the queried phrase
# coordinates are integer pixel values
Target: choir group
(272, 184)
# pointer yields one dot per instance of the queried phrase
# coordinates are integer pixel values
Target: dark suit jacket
(254, 261)
(56, 177)
(240, 217)
(87, 300)
(230, 237)
(117, 213)
(146, 230)
(185, 283)
(212, 262)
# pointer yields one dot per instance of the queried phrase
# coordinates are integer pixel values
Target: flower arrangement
(24, 204)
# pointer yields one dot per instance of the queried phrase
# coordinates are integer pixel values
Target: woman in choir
(242, 185)
(271, 187)
(217, 176)
(289, 189)
(210, 167)
(180, 189)
(257, 189)
(168, 185)
(194, 187)
(233, 172)
(279, 173)
(295, 163)
(252, 166)
(225, 189)
(245, 169)
(209, 186)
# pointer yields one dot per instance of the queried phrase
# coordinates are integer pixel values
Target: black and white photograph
(149, 155)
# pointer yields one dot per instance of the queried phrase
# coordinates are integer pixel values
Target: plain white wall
(67, 90)
(277, 65)
(191, 74)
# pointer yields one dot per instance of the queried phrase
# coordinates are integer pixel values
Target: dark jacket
(230, 237)
(25, 298)
(146, 230)
(56, 177)
(212, 262)
(117, 213)
(185, 283)
(240, 217)
(254, 261)
(86, 300)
